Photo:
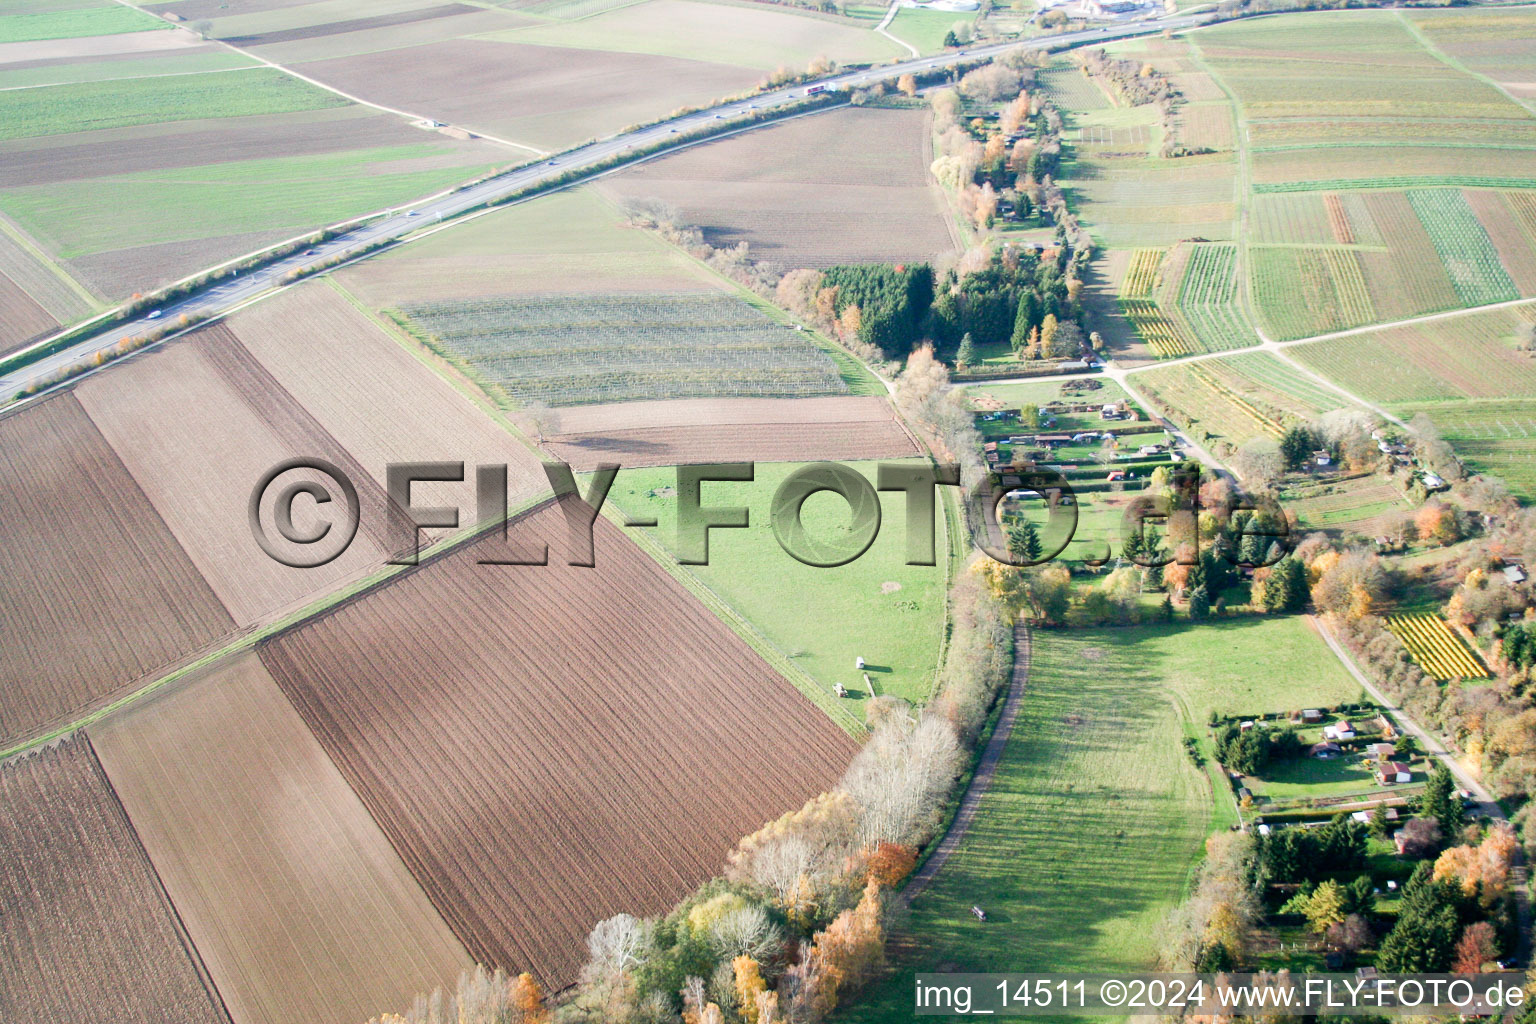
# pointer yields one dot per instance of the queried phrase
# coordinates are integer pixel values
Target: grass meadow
(82, 217)
(1089, 831)
(876, 607)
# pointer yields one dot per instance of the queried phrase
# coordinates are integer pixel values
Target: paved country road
(236, 291)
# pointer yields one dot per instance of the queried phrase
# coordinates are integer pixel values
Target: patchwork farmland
(87, 932)
(1237, 398)
(522, 830)
(133, 182)
(149, 605)
(293, 896)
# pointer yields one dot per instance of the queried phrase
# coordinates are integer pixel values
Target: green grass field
(90, 106)
(1088, 833)
(115, 70)
(81, 217)
(821, 618)
(105, 20)
(926, 29)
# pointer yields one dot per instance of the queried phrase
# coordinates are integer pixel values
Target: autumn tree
(890, 863)
(907, 84)
(749, 985)
(1479, 945)
(1048, 328)
(1483, 868)
(528, 1001)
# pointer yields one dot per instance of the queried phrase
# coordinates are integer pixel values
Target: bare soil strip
(88, 933)
(96, 590)
(300, 907)
(548, 746)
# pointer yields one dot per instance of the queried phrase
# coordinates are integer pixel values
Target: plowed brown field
(299, 906)
(200, 480)
(842, 187)
(548, 746)
(87, 933)
(96, 591)
(377, 399)
(21, 318)
(729, 429)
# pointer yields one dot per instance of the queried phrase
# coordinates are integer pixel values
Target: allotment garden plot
(569, 350)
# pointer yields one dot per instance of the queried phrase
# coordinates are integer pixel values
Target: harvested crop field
(200, 481)
(108, 598)
(87, 934)
(727, 430)
(576, 349)
(548, 746)
(301, 909)
(540, 95)
(377, 400)
(848, 186)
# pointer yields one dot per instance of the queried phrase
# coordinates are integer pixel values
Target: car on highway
(155, 315)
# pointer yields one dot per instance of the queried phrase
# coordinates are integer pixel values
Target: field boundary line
(250, 636)
(986, 768)
(1434, 51)
(15, 233)
(737, 623)
(332, 89)
(129, 78)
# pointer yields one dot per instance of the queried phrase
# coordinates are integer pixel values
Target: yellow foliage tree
(1485, 865)
(528, 1001)
(749, 986)
(907, 84)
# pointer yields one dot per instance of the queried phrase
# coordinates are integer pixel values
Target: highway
(252, 284)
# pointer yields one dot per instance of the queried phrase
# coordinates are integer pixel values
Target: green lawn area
(876, 607)
(926, 29)
(89, 106)
(1306, 777)
(106, 20)
(1088, 833)
(179, 204)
